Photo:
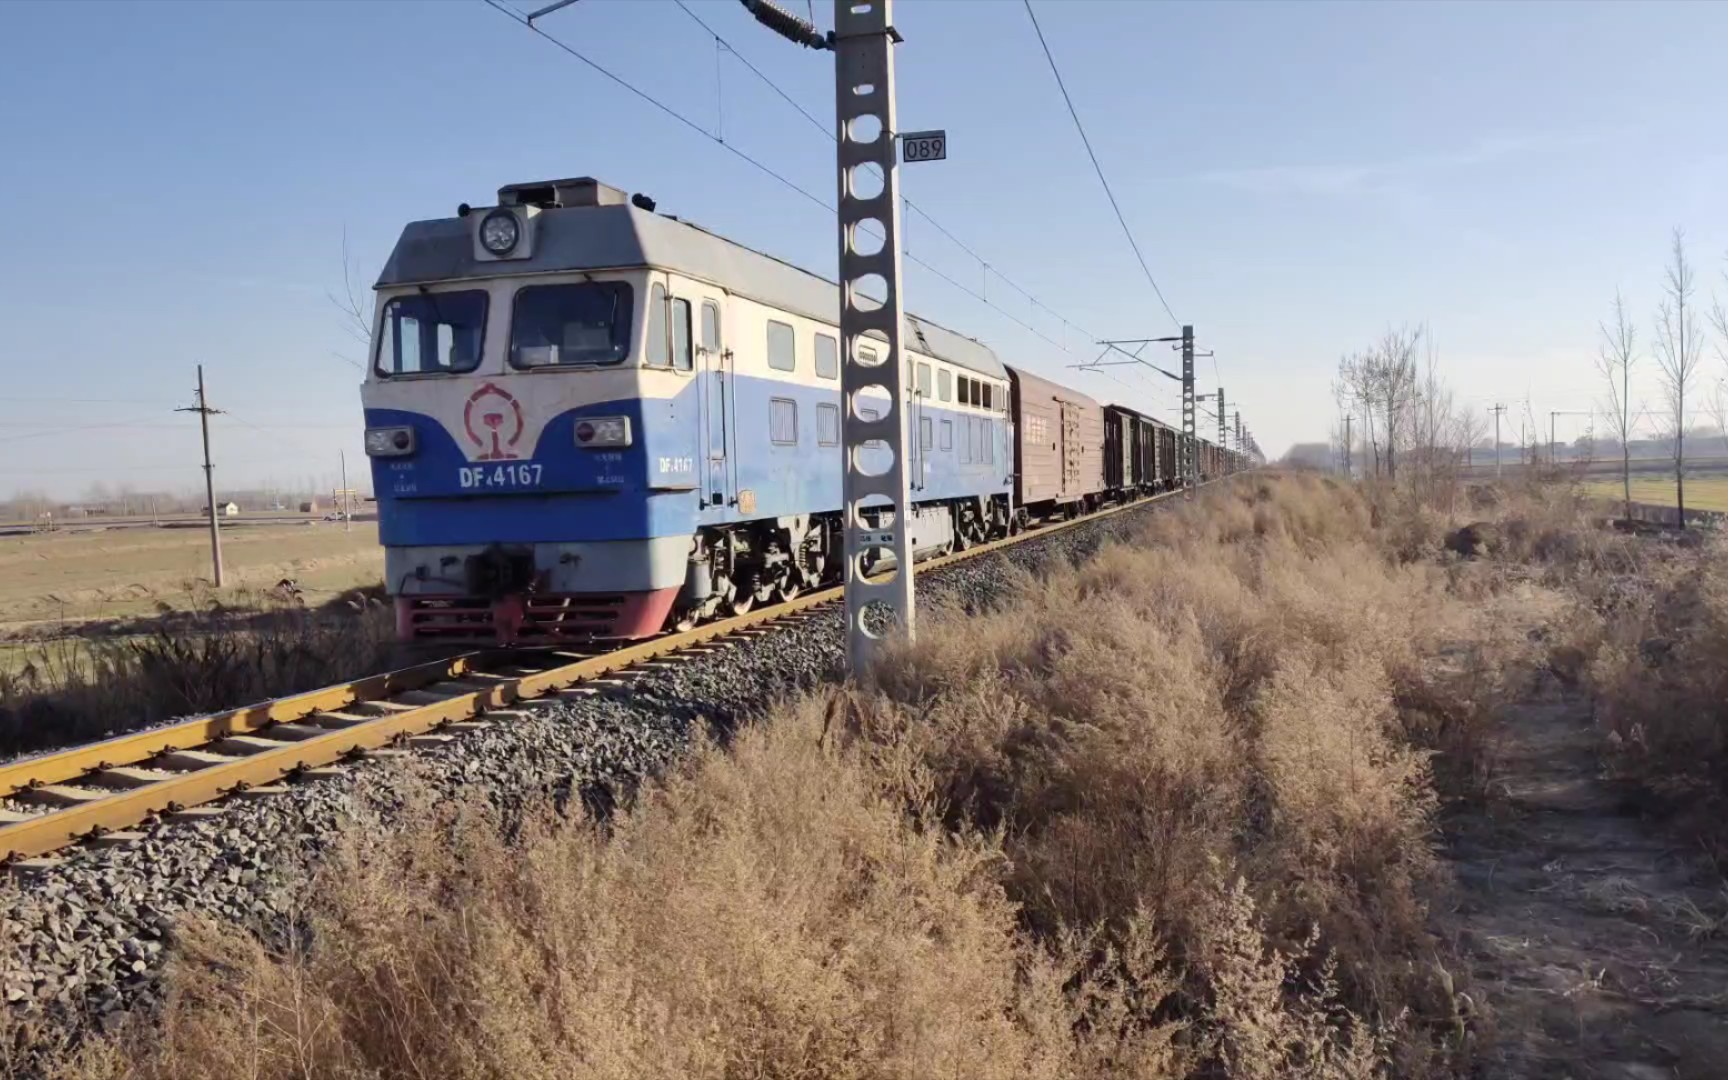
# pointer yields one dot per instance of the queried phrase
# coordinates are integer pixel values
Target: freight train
(587, 419)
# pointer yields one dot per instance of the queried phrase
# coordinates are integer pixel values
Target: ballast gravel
(83, 942)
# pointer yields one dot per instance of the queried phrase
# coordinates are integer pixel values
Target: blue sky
(179, 178)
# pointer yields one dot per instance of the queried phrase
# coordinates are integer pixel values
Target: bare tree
(355, 313)
(1615, 358)
(1385, 380)
(1679, 348)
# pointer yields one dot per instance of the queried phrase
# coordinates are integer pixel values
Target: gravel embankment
(84, 941)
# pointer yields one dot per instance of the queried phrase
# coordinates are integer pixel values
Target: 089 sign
(924, 146)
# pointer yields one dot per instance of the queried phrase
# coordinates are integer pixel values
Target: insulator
(786, 24)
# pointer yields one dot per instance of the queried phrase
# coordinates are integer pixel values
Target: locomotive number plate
(514, 475)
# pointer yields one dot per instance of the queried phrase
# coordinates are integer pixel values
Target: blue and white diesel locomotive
(587, 419)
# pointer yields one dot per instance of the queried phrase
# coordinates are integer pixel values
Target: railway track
(100, 792)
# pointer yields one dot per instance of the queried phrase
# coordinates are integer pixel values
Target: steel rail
(311, 729)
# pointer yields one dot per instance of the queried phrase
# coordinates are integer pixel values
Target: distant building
(310, 506)
(227, 509)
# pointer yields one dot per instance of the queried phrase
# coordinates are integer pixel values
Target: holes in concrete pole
(872, 402)
(867, 293)
(867, 236)
(864, 89)
(866, 128)
(878, 619)
(864, 181)
(877, 560)
(873, 459)
(873, 512)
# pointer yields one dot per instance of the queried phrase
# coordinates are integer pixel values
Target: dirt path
(1599, 943)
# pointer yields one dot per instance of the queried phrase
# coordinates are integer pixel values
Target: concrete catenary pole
(1190, 448)
(876, 524)
(877, 508)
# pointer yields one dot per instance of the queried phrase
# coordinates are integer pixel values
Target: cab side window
(681, 356)
(711, 326)
(654, 351)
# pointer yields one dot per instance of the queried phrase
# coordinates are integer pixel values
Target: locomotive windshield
(571, 325)
(434, 332)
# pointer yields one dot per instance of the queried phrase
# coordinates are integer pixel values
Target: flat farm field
(1705, 492)
(120, 573)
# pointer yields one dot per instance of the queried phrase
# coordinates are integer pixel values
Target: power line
(828, 132)
(13, 398)
(163, 467)
(985, 264)
(518, 17)
(1099, 169)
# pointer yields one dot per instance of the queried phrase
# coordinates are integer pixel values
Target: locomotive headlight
(389, 441)
(499, 232)
(596, 431)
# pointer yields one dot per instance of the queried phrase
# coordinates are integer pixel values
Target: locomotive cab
(532, 428)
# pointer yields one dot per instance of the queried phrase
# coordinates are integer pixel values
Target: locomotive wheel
(790, 590)
(742, 602)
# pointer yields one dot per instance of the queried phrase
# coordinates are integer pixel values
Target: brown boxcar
(1058, 444)
(1211, 464)
(1168, 462)
(1118, 448)
(1130, 450)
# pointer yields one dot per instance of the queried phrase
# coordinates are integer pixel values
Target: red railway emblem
(501, 418)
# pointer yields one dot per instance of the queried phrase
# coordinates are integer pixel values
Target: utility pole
(1349, 448)
(204, 412)
(1223, 424)
(347, 512)
(1498, 411)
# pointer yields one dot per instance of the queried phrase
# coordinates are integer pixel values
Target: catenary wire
(1096, 167)
(827, 131)
(518, 17)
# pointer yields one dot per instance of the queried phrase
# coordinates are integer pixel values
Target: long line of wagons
(587, 419)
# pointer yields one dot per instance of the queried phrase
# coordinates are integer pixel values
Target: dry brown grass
(77, 689)
(1654, 651)
(1239, 692)
(1163, 814)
